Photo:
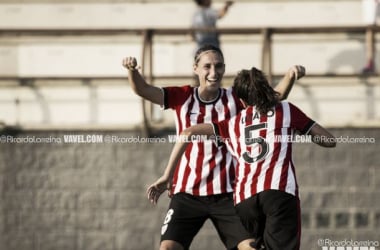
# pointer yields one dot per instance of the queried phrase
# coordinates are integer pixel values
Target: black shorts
(187, 214)
(274, 217)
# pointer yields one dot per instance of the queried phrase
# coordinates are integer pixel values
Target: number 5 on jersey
(250, 140)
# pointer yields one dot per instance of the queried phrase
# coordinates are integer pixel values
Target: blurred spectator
(371, 10)
(206, 17)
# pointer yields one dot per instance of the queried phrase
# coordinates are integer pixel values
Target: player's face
(210, 70)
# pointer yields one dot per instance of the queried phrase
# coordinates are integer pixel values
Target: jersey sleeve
(221, 131)
(300, 121)
(175, 96)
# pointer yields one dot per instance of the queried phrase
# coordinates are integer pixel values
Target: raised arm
(155, 190)
(322, 137)
(139, 85)
(285, 85)
(223, 11)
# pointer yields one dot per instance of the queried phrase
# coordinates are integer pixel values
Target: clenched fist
(296, 72)
(130, 63)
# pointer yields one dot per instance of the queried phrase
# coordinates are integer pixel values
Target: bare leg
(245, 245)
(170, 245)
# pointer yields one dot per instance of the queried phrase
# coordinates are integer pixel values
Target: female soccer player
(202, 184)
(260, 139)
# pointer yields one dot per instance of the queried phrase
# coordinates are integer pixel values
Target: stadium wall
(78, 81)
(91, 196)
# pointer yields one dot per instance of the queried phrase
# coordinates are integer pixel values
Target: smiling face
(210, 69)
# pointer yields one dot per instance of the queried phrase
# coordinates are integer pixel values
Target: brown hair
(253, 88)
(204, 48)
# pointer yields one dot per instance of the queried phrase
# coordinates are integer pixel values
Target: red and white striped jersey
(204, 169)
(262, 145)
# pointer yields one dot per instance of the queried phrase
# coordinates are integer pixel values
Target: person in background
(371, 10)
(259, 138)
(205, 17)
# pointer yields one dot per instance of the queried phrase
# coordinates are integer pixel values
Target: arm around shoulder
(183, 141)
(155, 190)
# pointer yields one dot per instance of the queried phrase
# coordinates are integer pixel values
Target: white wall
(100, 56)
(177, 14)
(62, 104)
